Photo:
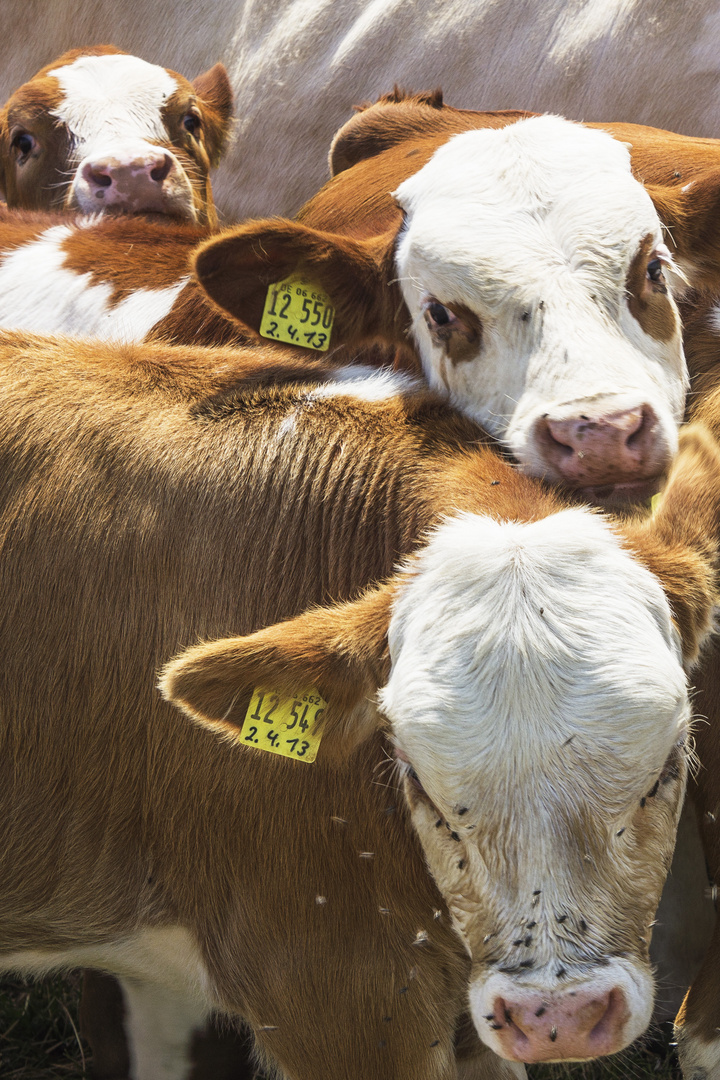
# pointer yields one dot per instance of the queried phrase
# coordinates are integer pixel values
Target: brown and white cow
(297, 70)
(524, 267)
(209, 875)
(100, 130)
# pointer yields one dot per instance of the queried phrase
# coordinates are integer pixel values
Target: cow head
(527, 272)
(530, 679)
(103, 131)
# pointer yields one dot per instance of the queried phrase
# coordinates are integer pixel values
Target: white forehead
(537, 194)
(117, 93)
(507, 640)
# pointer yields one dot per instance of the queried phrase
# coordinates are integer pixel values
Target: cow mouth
(624, 494)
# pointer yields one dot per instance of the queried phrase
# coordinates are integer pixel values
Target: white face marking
(39, 294)
(113, 96)
(533, 229)
(537, 690)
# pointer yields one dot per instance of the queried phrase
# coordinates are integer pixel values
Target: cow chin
(536, 1021)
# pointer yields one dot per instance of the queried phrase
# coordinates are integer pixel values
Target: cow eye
(192, 123)
(24, 143)
(437, 315)
(414, 779)
(655, 271)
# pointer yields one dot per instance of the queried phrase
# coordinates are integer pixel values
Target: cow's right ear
(339, 650)
(237, 268)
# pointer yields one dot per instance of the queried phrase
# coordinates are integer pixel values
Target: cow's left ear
(679, 543)
(237, 268)
(339, 650)
(691, 219)
(215, 91)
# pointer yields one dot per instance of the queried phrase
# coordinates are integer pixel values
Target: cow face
(103, 131)
(529, 275)
(543, 743)
(538, 300)
(531, 680)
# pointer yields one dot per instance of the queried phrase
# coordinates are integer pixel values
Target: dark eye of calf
(192, 123)
(457, 331)
(655, 271)
(24, 143)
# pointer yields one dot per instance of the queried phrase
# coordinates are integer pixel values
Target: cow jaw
(539, 303)
(542, 731)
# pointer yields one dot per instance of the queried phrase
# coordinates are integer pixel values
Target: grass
(39, 1040)
(39, 1037)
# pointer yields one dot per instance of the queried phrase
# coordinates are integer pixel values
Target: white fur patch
(120, 96)
(38, 293)
(159, 1027)
(510, 638)
(366, 384)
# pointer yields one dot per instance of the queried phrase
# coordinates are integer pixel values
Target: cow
(100, 130)
(208, 875)
(526, 270)
(297, 71)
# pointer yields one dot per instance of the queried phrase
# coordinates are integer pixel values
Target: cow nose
(127, 176)
(605, 448)
(577, 1026)
(137, 178)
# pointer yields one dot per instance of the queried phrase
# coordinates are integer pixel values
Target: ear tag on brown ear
(284, 725)
(298, 313)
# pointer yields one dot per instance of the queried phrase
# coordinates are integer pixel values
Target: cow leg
(698, 1022)
(685, 920)
(102, 1016)
(161, 1027)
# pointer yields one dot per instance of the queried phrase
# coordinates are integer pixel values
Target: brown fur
(647, 299)
(42, 180)
(131, 527)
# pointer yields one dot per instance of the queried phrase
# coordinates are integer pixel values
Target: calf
(100, 130)
(209, 875)
(524, 267)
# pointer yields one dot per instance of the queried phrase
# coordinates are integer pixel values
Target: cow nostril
(160, 172)
(99, 179)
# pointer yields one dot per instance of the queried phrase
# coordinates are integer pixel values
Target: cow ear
(394, 118)
(237, 268)
(691, 218)
(341, 651)
(679, 542)
(216, 94)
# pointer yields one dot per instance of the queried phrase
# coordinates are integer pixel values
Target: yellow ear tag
(655, 501)
(298, 313)
(284, 725)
